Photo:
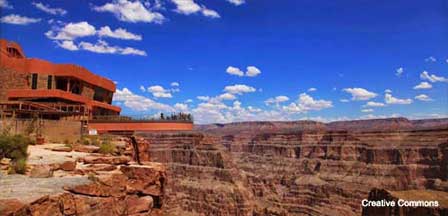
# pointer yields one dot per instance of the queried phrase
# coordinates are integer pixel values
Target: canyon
(298, 168)
(248, 168)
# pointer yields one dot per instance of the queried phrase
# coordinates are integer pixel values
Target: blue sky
(243, 60)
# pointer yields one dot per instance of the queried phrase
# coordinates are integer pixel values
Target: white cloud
(18, 20)
(423, 85)
(307, 103)
(131, 11)
(237, 2)
(388, 91)
(181, 107)
(423, 97)
(142, 88)
(159, 92)
(5, 4)
(189, 101)
(389, 99)
(252, 71)
(360, 94)
(344, 100)
(234, 71)
(188, 7)
(367, 110)
(374, 104)
(48, 9)
(210, 13)
(68, 45)
(118, 33)
(104, 48)
(138, 102)
(312, 89)
(432, 78)
(203, 98)
(430, 59)
(227, 96)
(399, 71)
(175, 84)
(239, 89)
(72, 31)
(276, 100)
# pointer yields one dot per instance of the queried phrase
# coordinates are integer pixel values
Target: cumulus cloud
(72, 31)
(175, 84)
(432, 78)
(239, 89)
(399, 71)
(142, 88)
(119, 33)
(307, 103)
(237, 2)
(159, 92)
(388, 91)
(139, 103)
(234, 71)
(227, 96)
(430, 59)
(312, 89)
(423, 97)
(389, 99)
(360, 94)
(131, 11)
(68, 45)
(103, 47)
(423, 85)
(18, 20)
(48, 9)
(276, 100)
(374, 104)
(203, 98)
(188, 7)
(251, 71)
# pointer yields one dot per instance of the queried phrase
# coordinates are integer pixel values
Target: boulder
(137, 204)
(115, 160)
(10, 206)
(68, 166)
(41, 171)
(86, 148)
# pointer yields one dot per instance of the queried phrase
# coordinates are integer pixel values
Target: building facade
(29, 86)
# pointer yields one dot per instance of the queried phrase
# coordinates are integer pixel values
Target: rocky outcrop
(305, 169)
(134, 190)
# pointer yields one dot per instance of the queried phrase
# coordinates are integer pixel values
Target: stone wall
(10, 79)
(51, 130)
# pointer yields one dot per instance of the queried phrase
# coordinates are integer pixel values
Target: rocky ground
(62, 180)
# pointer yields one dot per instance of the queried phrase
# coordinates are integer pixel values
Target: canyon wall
(305, 168)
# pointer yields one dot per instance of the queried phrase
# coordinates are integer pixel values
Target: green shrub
(15, 148)
(106, 148)
(17, 167)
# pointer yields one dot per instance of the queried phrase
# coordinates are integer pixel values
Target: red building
(32, 88)
(30, 85)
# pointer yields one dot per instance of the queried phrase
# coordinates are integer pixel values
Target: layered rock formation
(302, 168)
(79, 183)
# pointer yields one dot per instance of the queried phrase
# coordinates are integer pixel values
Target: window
(34, 81)
(50, 82)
